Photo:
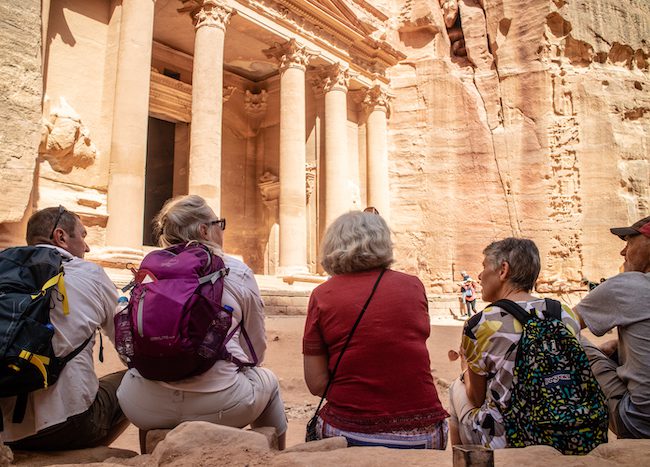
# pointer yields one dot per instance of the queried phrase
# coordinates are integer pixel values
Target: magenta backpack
(174, 326)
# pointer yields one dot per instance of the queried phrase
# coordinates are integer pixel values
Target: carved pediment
(348, 28)
(339, 10)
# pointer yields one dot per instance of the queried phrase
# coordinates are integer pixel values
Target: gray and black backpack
(31, 278)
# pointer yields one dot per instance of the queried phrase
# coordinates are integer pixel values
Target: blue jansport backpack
(556, 400)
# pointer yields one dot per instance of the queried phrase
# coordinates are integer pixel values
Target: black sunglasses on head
(220, 222)
(58, 218)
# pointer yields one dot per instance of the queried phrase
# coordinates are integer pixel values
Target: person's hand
(609, 347)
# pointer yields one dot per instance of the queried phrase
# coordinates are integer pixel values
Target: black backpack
(30, 279)
(556, 400)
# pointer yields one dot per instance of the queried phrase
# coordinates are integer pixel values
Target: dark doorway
(159, 178)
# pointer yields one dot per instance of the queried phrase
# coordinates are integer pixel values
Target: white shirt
(92, 298)
(242, 294)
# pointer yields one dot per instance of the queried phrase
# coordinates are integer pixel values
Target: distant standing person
(468, 293)
(622, 366)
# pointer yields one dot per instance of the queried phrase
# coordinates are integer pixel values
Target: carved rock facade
(469, 120)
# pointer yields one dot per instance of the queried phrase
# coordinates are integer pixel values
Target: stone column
(130, 121)
(337, 177)
(377, 107)
(210, 20)
(293, 213)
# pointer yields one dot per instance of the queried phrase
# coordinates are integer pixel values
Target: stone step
(281, 298)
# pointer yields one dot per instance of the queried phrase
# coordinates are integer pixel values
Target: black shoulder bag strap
(21, 399)
(363, 310)
(553, 310)
(513, 309)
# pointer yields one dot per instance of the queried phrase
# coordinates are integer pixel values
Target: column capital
(212, 13)
(377, 98)
(336, 77)
(291, 54)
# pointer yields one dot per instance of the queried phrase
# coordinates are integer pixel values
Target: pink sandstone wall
(542, 131)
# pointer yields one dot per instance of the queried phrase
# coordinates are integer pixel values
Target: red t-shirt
(384, 381)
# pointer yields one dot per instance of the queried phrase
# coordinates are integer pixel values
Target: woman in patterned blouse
(489, 342)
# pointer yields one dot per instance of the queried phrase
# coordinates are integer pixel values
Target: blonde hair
(356, 241)
(180, 220)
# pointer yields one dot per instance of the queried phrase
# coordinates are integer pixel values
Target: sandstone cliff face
(519, 118)
(509, 118)
(20, 96)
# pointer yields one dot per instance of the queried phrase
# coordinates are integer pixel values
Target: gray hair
(356, 241)
(180, 219)
(522, 256)
(41, 224)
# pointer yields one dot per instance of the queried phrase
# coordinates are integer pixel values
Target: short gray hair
(180, 219)
(522, 256)
(356, 241)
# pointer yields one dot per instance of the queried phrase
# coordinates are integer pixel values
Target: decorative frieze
(170, 98)
(370, 55)
(211, 13)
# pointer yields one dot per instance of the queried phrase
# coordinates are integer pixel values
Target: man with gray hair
(622, 366)
(77, 411)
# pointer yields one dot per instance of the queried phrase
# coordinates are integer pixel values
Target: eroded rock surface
(20, 104)
(201, 443)
(541, 130)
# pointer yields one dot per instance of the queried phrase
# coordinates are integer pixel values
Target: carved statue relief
(269, 186)
(255, 103)
(310, 179)
(65, 140)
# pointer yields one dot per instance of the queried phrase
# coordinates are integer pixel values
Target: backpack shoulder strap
(513, 309)
(553, 309)
(78, 350)
(21, 399)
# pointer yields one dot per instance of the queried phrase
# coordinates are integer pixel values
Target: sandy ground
(284, 357)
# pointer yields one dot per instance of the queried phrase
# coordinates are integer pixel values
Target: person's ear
(59, 238)
(504, 271)
(203, 230)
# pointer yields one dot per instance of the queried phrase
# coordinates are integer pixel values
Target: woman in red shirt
(383, 392)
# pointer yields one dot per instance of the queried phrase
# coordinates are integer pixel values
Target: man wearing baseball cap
(622, 366)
